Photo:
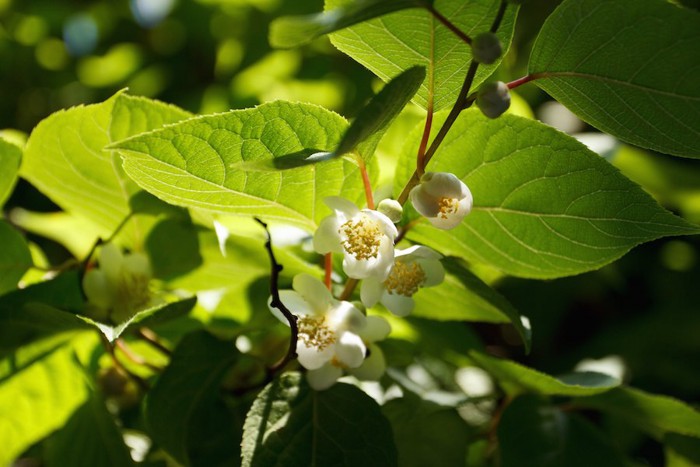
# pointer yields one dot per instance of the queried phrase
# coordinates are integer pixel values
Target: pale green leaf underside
(292, 31)
(396, 42)
(15, 258)
(205, 163)
(628, 67)
(544, 205)
(65, 156)
(516, 378)
(10, 157)
(38, 400)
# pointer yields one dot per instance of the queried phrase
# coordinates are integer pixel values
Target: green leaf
(516, 378)
(404, 39)
(201, 163)
(681, 451)
(290, 425)
(377, 115)
(625, 67)
(426, 433)
(544, 205)
(173, 247)
(477, 301)
(65, 157)
(185, 403)
(15, 258)
(10, 158)
(533, 433)
(293, 31)
(101, 442)
(654, 414)
(39, 399)
(37, 312)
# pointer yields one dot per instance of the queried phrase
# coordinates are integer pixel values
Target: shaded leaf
(625, 67)
(10, 158)
(516, 378)
(472, 300)
(185, 404)
(681, 451)
(544, 205)
(201, 163)
(293, 31)
(290, 425)
(652, 413)
(173, 248)
(401, 40)
(101, 442)
(533, 433)
(15, 258)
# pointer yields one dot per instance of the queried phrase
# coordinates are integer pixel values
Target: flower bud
(493, 99)
(391, 209)
(486, 48)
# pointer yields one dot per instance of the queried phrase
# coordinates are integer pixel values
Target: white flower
(328, 339)
(119, 287)
(365, 237)
(414, 267)
(374, 365)
(443, 198)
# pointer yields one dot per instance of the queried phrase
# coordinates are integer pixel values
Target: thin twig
(365, 181)
(499, 16)
(142, 383)
(449, 25)
(404, 230)
(328, 266)
(147, 335)
(349, 289)
(276, 302)
(420, 158)
(139, 360)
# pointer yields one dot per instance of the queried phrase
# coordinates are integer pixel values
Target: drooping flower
(365, 237)
(443, 198)
(119, 286)
(374, 365)
(414, 268)
(328, 340)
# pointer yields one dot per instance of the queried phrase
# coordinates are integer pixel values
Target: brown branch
(142, 383)
(147, 335)
(137, 359)
(449, 25)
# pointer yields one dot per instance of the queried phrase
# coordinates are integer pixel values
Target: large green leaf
(533, 433)
(396, 42)
(655, 414)
(10, 158)
(292, 31)
(627, 67)
(516, 378)
(473, 301)
(65, 156)
(544, 205)
(15, 257)
(426, 433)
(213, 162)
(184, 408)
(39, 399)
(101, 442)
(290, 425)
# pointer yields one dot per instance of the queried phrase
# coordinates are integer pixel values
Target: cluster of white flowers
(335, 337)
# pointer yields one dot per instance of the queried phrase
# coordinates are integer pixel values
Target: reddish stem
(420, 159)
(448, 24)
(366, 182)
(523, 80)
(329, 270)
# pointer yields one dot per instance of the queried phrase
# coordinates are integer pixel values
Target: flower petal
(373, 367)
(312, 358)
(371, 291)
(400, 305)
(324, 377)
(97, 289)
(446, 223)
(434, 271)
(294, 303)
(341, 205)
(344, 316)
(376, 329)
(425, 204)
(445, 184)
(385, 225)
(326, 238)
(350, 350)
(313, 291)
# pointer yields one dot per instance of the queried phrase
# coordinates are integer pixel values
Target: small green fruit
(486, 48)
(493, 99)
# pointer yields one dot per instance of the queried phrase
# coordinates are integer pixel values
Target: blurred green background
(212, 55)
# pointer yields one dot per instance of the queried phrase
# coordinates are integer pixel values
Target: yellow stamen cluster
(315, 333)
(447, 206)
(405, 279)
(362, 238)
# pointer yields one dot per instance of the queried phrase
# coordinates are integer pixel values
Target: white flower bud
(443, 198)
(391, 209)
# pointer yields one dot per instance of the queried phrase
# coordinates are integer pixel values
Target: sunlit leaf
(101, 442)
(15, 257)
(186, 399)
(201, 162)
(653, 413)
(290, 424)
(471, 300)
(544, 205)
(398, 41)
(516, 378)
(292, 31)
(39, 399)
(624, 66)
(10, 158)
(533, 433)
